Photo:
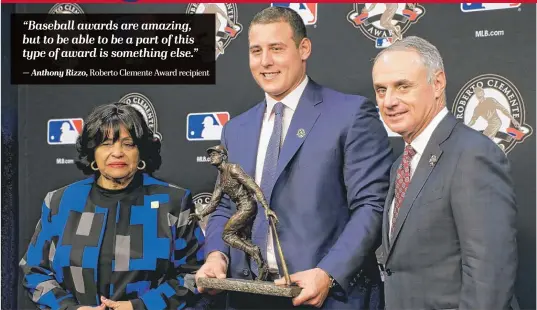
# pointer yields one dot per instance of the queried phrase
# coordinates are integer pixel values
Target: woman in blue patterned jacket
(120, 239)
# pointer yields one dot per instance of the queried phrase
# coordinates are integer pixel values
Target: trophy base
(250, 286)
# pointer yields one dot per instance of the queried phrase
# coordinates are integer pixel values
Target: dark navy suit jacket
(329, 194)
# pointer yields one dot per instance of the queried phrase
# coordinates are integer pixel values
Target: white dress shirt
(290, 103)
(419, 144)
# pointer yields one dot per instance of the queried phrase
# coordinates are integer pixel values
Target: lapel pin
(301, 133)
(433, 160)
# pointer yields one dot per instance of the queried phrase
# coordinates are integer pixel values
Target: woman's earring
(143, 165)
(92, 167)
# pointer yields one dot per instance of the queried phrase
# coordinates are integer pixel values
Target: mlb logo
(308, 11)
(64, 131)
(383, 42)
(205, 126)
(476, 7)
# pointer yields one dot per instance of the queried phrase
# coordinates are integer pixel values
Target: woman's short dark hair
(112, 116)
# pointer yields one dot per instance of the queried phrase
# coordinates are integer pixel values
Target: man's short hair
(429, 54)
(276, 14)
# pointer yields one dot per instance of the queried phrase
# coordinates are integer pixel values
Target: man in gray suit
(449, 236)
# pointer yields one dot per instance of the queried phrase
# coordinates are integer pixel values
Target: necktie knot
(278, 108)
(409, 152)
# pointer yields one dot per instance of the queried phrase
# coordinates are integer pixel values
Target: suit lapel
(423, 170)
(303, 120)
(422, 173)
(249, 139)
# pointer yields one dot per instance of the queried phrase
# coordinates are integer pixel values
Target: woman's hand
(117, 305)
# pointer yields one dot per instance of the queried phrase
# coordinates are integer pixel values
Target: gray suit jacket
(454, 245)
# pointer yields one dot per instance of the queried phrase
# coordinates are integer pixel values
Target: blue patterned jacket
(155, 255)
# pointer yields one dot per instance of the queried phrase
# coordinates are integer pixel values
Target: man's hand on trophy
(269, 213)
(315, 284)
(215, 267)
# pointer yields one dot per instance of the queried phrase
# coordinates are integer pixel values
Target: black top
(110, 199)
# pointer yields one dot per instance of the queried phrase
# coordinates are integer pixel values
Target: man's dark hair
(112, 116)
(276, 14)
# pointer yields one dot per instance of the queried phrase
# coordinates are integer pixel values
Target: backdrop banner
(487, 48)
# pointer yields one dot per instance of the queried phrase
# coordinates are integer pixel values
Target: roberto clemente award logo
(385, 23)
(201, 201)
(66, 8)
(492, 104)
(141, 103)
(227, 22)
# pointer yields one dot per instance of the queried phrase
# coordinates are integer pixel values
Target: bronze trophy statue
(245, 193)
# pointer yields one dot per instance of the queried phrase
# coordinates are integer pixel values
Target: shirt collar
(422, 139)
(290, 101)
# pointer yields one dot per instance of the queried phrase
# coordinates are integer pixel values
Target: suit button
(388, 272)
(246, 272)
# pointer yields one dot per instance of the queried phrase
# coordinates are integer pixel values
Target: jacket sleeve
(367, 161)
(484, 208)
(39, 280)
(178, 291)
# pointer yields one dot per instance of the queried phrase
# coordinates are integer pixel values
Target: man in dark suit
(322, 159)
(449, 236)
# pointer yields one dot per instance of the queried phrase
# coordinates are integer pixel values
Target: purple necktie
(268, 179)
(273, 152)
